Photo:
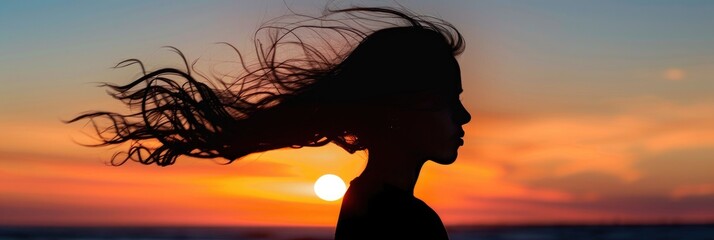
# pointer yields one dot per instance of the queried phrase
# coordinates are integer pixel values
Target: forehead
(445, 85)
(444, 77)
(454, 72)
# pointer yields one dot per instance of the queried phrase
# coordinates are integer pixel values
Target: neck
(396, 168)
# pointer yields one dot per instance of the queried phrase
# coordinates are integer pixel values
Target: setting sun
(330, 187)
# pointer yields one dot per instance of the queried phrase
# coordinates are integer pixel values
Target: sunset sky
(583, 111)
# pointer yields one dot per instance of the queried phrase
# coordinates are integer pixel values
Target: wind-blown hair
(310, 86)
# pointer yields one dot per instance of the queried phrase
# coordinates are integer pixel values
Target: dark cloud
(649, 208)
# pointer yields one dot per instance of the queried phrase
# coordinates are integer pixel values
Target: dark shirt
(386, 212)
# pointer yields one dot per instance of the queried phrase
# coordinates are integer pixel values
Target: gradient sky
(597, 111)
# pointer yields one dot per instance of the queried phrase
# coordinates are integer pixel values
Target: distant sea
(614, 232)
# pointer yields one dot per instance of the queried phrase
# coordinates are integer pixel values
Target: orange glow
(262, 189)
(569, 168)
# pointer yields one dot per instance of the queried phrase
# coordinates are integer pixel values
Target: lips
(461, 138)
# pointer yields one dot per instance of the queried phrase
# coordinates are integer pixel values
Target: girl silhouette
(393, 91)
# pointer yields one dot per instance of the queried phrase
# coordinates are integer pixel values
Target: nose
(463, 115)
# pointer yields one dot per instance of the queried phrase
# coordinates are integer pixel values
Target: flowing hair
(278, 102)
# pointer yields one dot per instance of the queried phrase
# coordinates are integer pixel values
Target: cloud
(608, 142)
(696, 190)
(674, 74)
(623, 208)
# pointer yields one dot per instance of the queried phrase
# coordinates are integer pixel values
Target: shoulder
(386, 212)
(361, 200)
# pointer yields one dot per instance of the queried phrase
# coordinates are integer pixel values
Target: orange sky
(603, 117)
(511, 170)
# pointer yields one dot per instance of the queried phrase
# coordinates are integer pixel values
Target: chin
(445, 160)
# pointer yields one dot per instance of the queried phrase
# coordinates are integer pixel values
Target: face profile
(396, 94)
(434, 125)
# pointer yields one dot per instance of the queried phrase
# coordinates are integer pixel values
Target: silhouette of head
(402, 85)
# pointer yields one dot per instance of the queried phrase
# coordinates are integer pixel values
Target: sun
(330, 187)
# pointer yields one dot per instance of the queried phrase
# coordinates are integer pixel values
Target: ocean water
(631, 232)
